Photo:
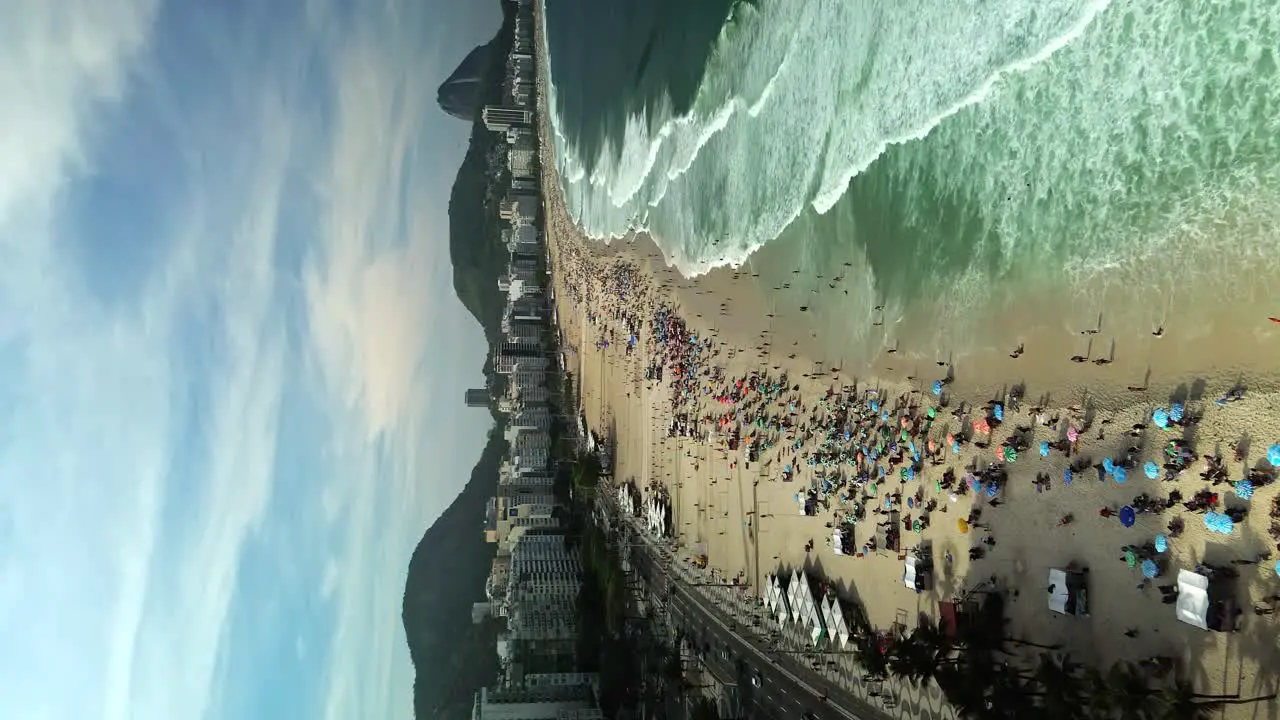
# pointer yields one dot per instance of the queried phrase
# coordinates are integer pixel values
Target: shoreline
(624, 282)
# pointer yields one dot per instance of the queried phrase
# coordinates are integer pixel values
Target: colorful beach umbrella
(1244, 489)
(1073, 434)
(1066, 476)
(1108, 465)
(1129, 558)
(1121, 475)
(1010, 454)
(1151, 469)
(962, 525)
(1044, 448)
(992, 489)
(1150, 569)
(1273, 455)
(1161, 543)
(1278, 567)
(1176, 411)
(1160, 417)
(998, 412)
(1127, 516)
(937, 387)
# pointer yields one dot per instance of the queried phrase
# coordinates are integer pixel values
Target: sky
(231, 361)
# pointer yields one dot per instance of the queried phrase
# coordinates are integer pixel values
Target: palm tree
(704, 709)
(1180, 700)
(870, 656)
(1121, 692)
(918, 655)
(1062, 690)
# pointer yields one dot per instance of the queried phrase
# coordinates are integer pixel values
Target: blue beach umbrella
(1108, 465)
(1278, 567)
(1044, 448)
(1244, 489)
(1151, 469)
(955, 448)
(1160, 417)
(1273, 455)
(992, 489)
(937, 387)
(1127, 516)
(1162, 543)
(1175, 412)
(1150, 569)
(1066, 476)
(998, 412)
(1121, 475)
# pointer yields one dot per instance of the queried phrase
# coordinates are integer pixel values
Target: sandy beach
(709, 333)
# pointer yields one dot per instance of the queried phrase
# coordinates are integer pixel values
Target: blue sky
(226, 412)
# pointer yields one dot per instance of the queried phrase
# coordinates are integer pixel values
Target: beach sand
(750, 523)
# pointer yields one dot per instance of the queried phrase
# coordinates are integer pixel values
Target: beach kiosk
(1206, 602)
(916, 573)
(1068, 591)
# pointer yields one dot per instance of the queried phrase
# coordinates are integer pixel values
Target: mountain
(452, 657)
(460, 93)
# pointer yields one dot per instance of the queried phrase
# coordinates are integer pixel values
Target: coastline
(714, 489)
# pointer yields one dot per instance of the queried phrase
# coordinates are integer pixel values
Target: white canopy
(837, 541)
(1058, 593)
(1193, 599)
(911, 572)
(783, 611)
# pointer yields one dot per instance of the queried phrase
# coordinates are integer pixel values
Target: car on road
(756, 680)
(809, 716)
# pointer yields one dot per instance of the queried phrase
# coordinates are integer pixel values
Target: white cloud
(136, 464)
(124, 555)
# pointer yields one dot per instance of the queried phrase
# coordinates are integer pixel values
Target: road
(788, 689)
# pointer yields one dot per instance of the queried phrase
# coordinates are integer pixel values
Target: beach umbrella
(1108, 465)
(1121, 475)
(1066, 476)
(1244, 489)
(932, 413)
(1273, 455)
(951, 439)
(1073, 434)
(1176, 411)
(1127, 516)
(962, 525)
(1010, 454)
(1129, 558)
(1151, 469)
(1150, 569)
(998, 412)
(1278, 567)
(937, 387)
(992, 489)
(1044, 448)
(1162, 543)
(1160, 417)
(955, 448)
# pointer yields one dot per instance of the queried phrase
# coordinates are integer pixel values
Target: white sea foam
(1066, 131)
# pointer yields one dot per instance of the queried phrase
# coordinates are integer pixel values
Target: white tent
(837, 628)
(797, 591)
(911, 572)
(1192, 607)
(837, 541)
(1058, 594)
(783, 610)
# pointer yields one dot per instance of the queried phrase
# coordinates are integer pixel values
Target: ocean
(948, 155)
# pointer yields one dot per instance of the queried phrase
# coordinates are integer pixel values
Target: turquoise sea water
(940, 146)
